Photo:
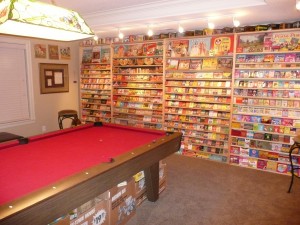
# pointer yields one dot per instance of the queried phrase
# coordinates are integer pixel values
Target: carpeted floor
(202, 192)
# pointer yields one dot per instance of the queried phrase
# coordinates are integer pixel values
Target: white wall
(46, 106)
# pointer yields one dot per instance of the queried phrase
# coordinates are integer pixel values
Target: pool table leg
(152, 181)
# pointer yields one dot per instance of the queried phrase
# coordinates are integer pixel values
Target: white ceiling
(106, 17)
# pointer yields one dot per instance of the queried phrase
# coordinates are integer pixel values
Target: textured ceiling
(106, 17)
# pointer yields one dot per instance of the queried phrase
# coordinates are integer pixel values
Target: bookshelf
(235, 97)
(198, 78)
(266, 100)
(138, 84)
(95, 84)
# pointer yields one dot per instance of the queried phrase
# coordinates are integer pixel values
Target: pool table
(46, 176)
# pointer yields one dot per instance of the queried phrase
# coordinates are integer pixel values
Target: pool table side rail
(12, 143)
(85, 126)
(8, 144)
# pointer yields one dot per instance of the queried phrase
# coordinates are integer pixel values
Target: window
(16, 93)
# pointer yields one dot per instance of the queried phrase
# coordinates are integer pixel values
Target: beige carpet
(202, 192)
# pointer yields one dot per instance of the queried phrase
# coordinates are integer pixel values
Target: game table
(46, 176)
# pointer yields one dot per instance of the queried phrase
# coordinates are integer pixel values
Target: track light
(211, 25)
(121, 35)
(236, 22)
(150, 32)
(180, 29)
(298, 4)
(95, 38)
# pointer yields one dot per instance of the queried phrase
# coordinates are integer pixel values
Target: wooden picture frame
(54, 78)
(40, 51)
(53, 51)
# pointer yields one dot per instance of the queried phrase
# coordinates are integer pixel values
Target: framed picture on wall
(54, 78)
(40, 51)
(65, 53)
(53, 51)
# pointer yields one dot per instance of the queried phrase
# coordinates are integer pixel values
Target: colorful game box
(222, 45)
(250, 43)
(287, 41)
(199, 46)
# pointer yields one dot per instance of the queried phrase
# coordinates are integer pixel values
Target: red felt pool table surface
(54, 156)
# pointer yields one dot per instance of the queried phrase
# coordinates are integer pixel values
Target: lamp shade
(40, 20)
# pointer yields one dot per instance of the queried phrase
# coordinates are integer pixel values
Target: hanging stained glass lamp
(40, 20)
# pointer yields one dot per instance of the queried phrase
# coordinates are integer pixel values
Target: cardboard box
(140, 184)
(143, 195)
(162, 176)
(122, 204)
(93, 212)
(61, 221)
(162, 172)
(140, 187)
(162, 186)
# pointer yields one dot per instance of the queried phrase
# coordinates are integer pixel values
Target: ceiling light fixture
(40, 20)
(211, 25)
(150, 32)
(95, 38)
(180, 29)
(236, 22)
(298, 4)
(121, 35)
